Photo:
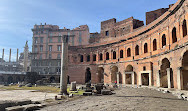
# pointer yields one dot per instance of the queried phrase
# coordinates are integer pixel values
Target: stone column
(168, 77)
(150, 79)
(132, 76)
(17, 56)
(179, 70)
(64, 66)
(124, 82)
(158, 78)
(118, 78)
(26, 51)
(140, 78)
(10, 56)
(3, 55)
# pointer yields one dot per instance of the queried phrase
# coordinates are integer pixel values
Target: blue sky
(17, 17)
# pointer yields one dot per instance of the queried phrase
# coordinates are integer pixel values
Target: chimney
(10, 56)
(3, 55)
(17, 55)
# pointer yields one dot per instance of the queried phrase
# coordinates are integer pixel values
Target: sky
(17, 17)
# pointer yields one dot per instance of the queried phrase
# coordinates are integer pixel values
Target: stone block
(15, 108)
(87, 93)
(73, 86)
(106, 92)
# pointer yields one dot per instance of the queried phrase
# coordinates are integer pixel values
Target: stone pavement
(126, 99)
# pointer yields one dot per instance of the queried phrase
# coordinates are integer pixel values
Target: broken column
(10, 56)
(3, 55)
(17, 56)
(64, 65)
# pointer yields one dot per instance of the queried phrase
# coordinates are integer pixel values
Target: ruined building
(127, 51)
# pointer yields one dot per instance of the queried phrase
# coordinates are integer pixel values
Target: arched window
(144, 68)
(154, 44)
(101, 57)
(174, 36)
(107, 56)
(129, 52)
(94, 57)
(121, 53)
(163, 40)
(88, 58)
(145, 48)
(184, 28)
(81, 58)
(137, 50)
(114, 55)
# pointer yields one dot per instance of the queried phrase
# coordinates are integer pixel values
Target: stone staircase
(22, 105)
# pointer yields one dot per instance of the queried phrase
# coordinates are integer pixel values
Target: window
(107, 33)
(59, 48)
(36, 40)
(50, 56)
(35, 49)
(88, 58)
(81, 58)
(137, 50)
(58, 56)
(41, 48)
(121, 53)
(41, 40)
(163, 40)
(144, 68)
(94, 57)
(40, 56)
(107, 56)
(184, 28)
(174, 36)
(145, 48)
(114, 54)
(100, 56)
(154, 44)
(50, 40)
(59, 39)
(50, 47)
(129, 52)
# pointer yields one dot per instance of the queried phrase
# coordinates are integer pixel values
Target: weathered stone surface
(15, 108)
(73, 86)
(87, 93)
(106, 92)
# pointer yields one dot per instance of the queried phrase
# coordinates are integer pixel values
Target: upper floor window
(35, 49)
(36, 40)
(58, 56)
(81, 58)
(121, 53)
(50, 47)
(137, 50)
(184, 28)
(80, 38)
(41, 48)
(107, 56)
(94, 57)
(88, 58)
(154, 44)
(59, 39)
(145, 48)
(107, 33)
(50, 57)
(100, 56)
(129, 52)
(59, 48)
(174, 36)
(114, 54)
(163, 40)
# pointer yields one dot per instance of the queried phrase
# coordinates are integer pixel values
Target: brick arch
(114, 70)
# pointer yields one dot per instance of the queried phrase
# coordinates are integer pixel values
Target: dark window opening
(81, 58)
(145, 48)
(129, 52)
(144, 68)
(107, 56)
(94, 57)
(107, 33)
(174, 36)
(154, 44)
(121, 53)
(101, 56)
(137, 50)
(114, 55)
(184, 28)
(88, 58)
(163, 40)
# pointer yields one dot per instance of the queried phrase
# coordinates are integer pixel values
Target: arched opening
(18, 79)
(154, 45)
(94, 57)
(137, 50)
(87, 75)
(100, 71)
(144, 68)
(10, 80)
(174, 36)
(52, 79)
(163, 74)
(184, 28)
(114, 71)
(81, 58)
(163, 40)
(88, 58)
(145, 48)
(121, 53)
(129, 52)
(107, 56)
(185, 71)
(128, 76)
(114, 54)
(100, 57)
